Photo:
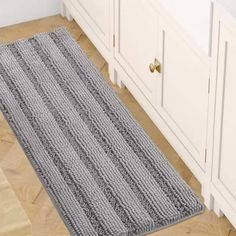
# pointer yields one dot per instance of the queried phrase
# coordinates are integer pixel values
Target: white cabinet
(223, 139)
(225, 117)
(176, 95)
(96, 14)
(94, 17)
(180, 92)
(136, 27)
(184, 93)
(194, 16)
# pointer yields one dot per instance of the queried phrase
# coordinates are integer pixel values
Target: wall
(16, 11)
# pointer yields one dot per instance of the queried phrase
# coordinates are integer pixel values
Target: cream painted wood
(65, 12)
(195, 17)
(97, 16)
(136, 32)
(94, 17)
(223, 169)
(225, 125)
(131, 54)
(184, 101)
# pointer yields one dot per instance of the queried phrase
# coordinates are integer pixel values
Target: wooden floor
(45, 219)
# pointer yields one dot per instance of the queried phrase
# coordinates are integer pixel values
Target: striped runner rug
(103, 173)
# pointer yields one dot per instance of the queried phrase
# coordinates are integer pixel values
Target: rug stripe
(87, 143)
(103, 123)
(24, 131)
(75, 188)
(100, 136)
(37, 165)
(157, 173)
(131, 225)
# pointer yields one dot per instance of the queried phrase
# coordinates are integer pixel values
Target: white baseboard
(17, 11)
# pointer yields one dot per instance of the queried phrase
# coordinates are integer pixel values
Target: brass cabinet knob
(156, 66)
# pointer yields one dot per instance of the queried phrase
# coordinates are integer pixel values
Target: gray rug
(103, 173)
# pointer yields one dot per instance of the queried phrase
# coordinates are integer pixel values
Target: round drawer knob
(156, 66)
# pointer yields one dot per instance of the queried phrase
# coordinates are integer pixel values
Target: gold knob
(156, 66)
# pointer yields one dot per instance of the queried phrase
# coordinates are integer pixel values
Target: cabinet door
(224, 159)
(96, 14)
(184, 102)
(136, 24)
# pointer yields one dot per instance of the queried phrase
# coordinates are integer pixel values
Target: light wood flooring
(44, 217)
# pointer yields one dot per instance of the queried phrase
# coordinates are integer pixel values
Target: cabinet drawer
(136, 25)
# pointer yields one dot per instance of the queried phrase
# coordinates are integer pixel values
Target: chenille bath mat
(103, 173)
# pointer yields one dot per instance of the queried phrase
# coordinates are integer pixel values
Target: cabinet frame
(217, 197)
(199, 156)
(72, 9)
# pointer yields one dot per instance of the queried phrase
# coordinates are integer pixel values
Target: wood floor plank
(38, 206)
(13, 219)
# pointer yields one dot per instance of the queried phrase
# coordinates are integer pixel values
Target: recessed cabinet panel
(224, 160)
(96, 13)
(184, 103)
(137, 44)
